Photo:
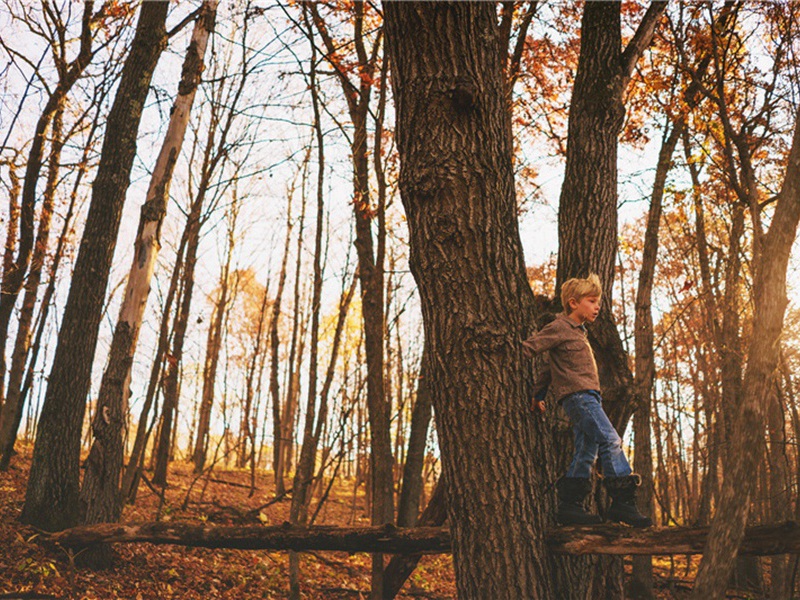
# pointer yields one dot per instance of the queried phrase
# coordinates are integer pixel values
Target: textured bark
(587, 224)
(587, 214)
(769, 293)
(431, 540)
(51, 500)
(100, 492)
(456, 182)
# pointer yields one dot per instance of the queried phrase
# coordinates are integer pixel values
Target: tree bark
(51, 500)
(456, 182)
(764, 540)
(408, 506)
(587, 214)
(13, 398)
(100, 492)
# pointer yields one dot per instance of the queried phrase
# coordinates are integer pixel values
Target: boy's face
(585, 309)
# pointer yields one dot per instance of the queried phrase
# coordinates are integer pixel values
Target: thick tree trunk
(587, 214)
(51, 500)
(456, 181)
(769, 292)
(100, 493)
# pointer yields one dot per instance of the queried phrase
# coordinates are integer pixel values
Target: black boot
(623, 501)
(572, 491)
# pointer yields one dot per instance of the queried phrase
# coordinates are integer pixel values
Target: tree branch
(643, 36)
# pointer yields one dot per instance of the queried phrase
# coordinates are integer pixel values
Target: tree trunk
(13, 399)
(298, 511)
(51, 500)
(370, 272)
(769, 293)
(213, 348)
(645, 361)
(408, 507)
(100, 493)
(14, 270)
(587, 214)
(274, 346)
(456, 182)
(130, 478)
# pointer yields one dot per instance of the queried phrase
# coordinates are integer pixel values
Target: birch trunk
(100, 493)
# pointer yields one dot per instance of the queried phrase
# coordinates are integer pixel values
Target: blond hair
(579, 289)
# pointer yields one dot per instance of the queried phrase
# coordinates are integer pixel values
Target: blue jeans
(594, 434)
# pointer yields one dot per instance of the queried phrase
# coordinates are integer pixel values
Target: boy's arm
(541, 341)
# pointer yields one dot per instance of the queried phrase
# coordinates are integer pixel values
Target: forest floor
(147, 572)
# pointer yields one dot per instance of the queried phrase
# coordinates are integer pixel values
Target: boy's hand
(527, 349)
(537, 406)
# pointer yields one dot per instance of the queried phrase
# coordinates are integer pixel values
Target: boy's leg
(584, 456)
(576, 485)
(585, 410)
(618, 478)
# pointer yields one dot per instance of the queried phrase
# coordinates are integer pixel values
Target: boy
(576, 385)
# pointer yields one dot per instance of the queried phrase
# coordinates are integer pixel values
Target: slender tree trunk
(645, 359)
(370, 270)
(130, 478)
(100, 493)
(175, 355)
(12, 405)
(213, 348)
(14, 271)
(51, 500)
(274, 345)
(456, 182)
(305, 464)
(769, 293)
(411, 492)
